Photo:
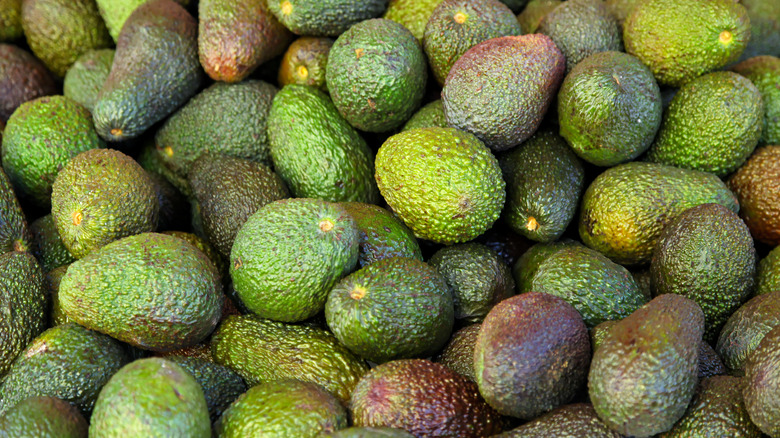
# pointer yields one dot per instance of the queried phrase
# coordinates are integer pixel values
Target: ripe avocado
(762, 384)
(532, 355)
(745, 328)
(285, 408)
(443, 183)
(644, 374)
(757, 186)
(382, 235)
(44, 417)
(235, 37)
(305, 63)
(23, 77)
(156, 70)
(424, 398)
(706, 254)
(85, 78)
(764, 72)
(68, 362)
(544, 182)
(376, 75)
(375, 312)
(713, 124)
(500, 89)
(324, 18)
(151, 397)
(412, 14)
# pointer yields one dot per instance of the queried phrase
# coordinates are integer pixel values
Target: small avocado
(234, 38)
(382, 235)
(762, 384)
(151, 397)
(745, 328)
(68, 362)
(371, 432)
(532, 355)
(376, 75)
(43, 417)
(85, 78)
(768, 273)
(262, 351)
(52, 280)
(424, 398)
(324, 18)
(23, 77)
(756, 185)
(412, 14)
(500, 89)
(305, 62)
(458, 354)
(284, 408)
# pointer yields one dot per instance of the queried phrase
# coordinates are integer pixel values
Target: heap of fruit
(362, 218)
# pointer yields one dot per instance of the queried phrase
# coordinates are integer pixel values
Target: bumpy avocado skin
(644, 374)
(23, 77)
(305, 63)
(156, 70)
(625, 208)
(429, 115)
(376, 75)
(413, 14)
(116, 12)
(324, 18)
(458, 354)
(382, 235)
(764, 28)
(500, 89)
(768, 273)
(764, 72)
(745, 328)
(713, 124)
(574, 420)
(11, 20)
(757, 186)
(68, 362)
(533, 13)
(43, 417)
(762, 383)
(85, 78)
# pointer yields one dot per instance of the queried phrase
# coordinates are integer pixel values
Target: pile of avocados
(390, 218)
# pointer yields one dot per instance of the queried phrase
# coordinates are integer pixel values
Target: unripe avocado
(324, 18)
(768, 273)
(500, 89)
(376, 75)
(412, 14)
(382, 235)
(534, 12)
(85, 78)
(116, 12)
(764, 72)
(43, 417)
(23, 77)
(458, 354)
(764, 28)
(151, 397)
(525, 267)
(430, 115)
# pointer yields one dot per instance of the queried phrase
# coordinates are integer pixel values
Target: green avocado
(85, 78)
(324, 18)
(43, 417)
(382, 235)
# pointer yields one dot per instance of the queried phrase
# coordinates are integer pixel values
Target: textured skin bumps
(14, 233)
(757, 186)
(531, 355)
(578, 420)
(376, 75)
(324, 18)
(305, 62)
(173, 299)
(762, 384)
(500, 89)
(11, 20)
(625, 208)
(644, 374)
(764, 72)
(382, 235)
(44, 417)
(442, 182)
(23, 77)
(746, 327)
(85, 78)
(458, 354)
(413, 14)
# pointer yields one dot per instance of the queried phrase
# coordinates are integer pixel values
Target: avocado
(68, 362)
(116, 12)
(22, 78)
(578, 420)
(171, 299)
(52, 280)
(24, 304)
(478, 277)
(221, 386)
(443, 183)
(500, 89)
(706, 254)
(382, 235)
(621, 9)
(544, 183)
(533, 13)
(764, 28)
(609, 108)
(151, 397)
(153, 162)
(717, 409)
(229, 190)
(424, 398)
(43, 417)
(47, 244)
(85, 78)
(745, 328)
(412, 14)
(597, 287)
(14, 232)
(376, 75)
(315, 151)
(458, 354)
(599, 333)
(580, 28)
(59, 31)
(234, 38)
(203, 245)
(10, 20)
(375, 311)
(528, 263)
(458, 25)
(762, 383)
(324, 18)
(768, 273)
(430, 115)
(264, 351)
(371, 432)
(284, 408)
(156, 70)
(755, 185)
(627, 206)
(40, 138)
(102, 195)
(644, 374)
(305, 62)
(657, 28)
(532, 355)
(713, 124)
(289, 254)
(764, 72)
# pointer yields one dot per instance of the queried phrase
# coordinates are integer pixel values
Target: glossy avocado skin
(305, 62)
(156, 71)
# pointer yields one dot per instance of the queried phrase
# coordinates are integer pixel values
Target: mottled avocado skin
(764, 73)
(44, 417)
(458, 354)
(10, 20)
(156, 70)
(645, 372)
(500, 89)
(23, 77)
